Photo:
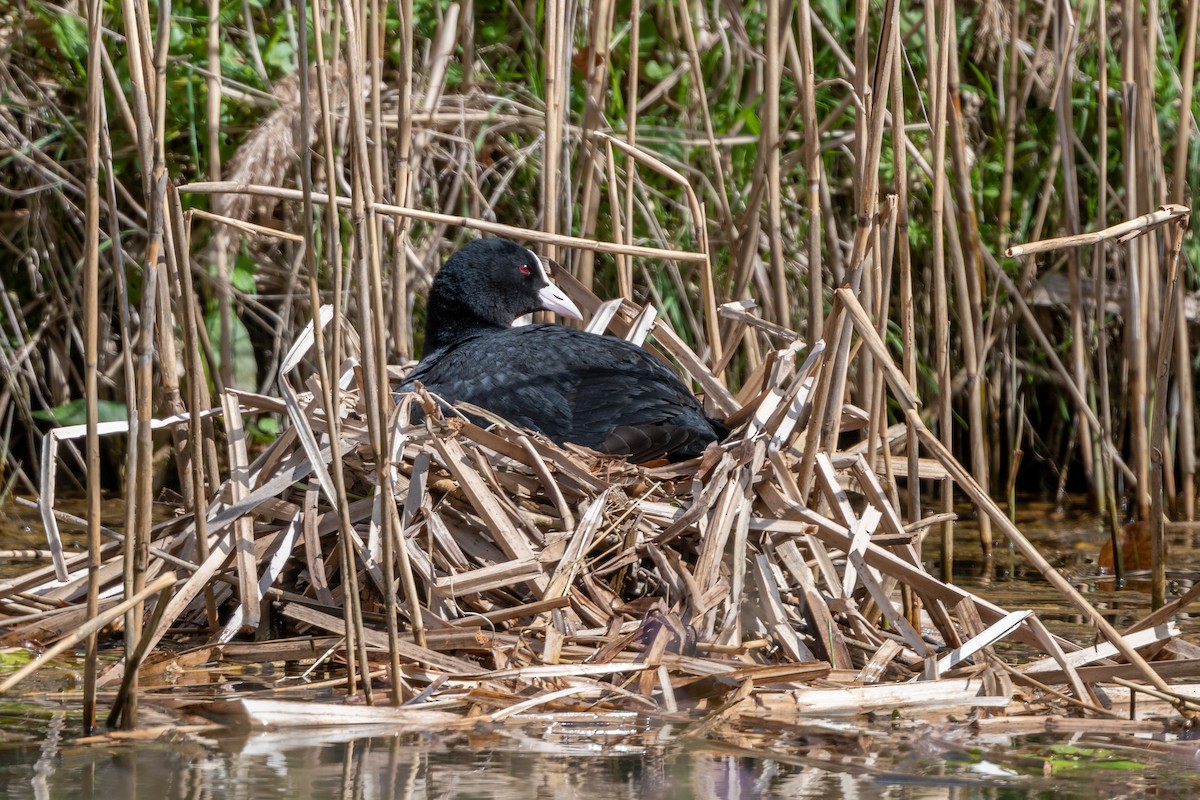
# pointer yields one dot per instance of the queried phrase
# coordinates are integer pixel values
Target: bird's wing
(572, 386)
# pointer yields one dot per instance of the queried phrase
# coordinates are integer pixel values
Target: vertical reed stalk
(219, 252)
(377, 391)
(625, 263)
(773, 69)
(554, 49)
(968, 276)
(1183, 355)
(370, 297)
(139, 74)
(1100, 281)
(467, 41)
(806, 86)
(939, 44)
(181, 282)
(1065, 41)
(91, 346)
(862, 82)
(180, 277)
(374, 26)
(725, 214)
(139, 489)
(142, 137)
(1011, 114)
(878, 448)
(904, 258)
(329, 368)
(590, 158)
(1135, 313)
(1007, 77)
(392, 536)
(1158, 417)
(827, 408)
(400, 300)
(873, 109)
(1153, 192)
(401, 328)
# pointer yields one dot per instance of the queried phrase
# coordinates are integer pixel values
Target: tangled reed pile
(765, 579)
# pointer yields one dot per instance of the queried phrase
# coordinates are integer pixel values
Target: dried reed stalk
(196, 492)
(1158, 419)
(556, 46)
(770, 153)
(402, 184)
(624, 264)
(938, 52)
(1066, 38)
(600, 25)
(330, 394)
(1107, 489)
(1183, 349)
(91, 339)
(812, 168)
(481, 225)
(969, 276)
(1138, 271)
(220, 254)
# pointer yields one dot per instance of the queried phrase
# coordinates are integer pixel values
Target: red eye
(525, 270)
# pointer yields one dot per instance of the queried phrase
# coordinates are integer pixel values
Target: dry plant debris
(555, 579)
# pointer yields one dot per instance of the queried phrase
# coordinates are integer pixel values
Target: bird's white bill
(553, 299)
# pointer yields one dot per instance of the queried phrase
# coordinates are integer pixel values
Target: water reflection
(555, 761)
(375, 764)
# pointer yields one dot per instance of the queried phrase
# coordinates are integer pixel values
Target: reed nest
(756, 582)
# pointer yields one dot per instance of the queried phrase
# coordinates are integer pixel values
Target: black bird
(571, 385)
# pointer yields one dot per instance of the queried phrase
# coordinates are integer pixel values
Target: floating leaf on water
(1137, 551)
(13, 657)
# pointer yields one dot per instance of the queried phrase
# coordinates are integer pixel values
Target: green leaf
(245, 366)
(749, 117)
(75, 412)
(280, 56)
(243, 276)
(656, 71)
(71, 35)
(264, 429)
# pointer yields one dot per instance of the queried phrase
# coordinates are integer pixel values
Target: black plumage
(571, 385)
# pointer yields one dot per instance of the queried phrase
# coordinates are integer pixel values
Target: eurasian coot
(571, 385)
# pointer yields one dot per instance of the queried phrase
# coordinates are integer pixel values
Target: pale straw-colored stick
(485, 226)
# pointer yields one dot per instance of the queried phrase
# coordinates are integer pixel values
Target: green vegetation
(1030, 153)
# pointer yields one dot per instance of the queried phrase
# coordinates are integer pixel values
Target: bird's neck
(448, 321)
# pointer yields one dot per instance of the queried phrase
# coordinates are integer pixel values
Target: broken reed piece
(983, 502)
(1122, 232)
